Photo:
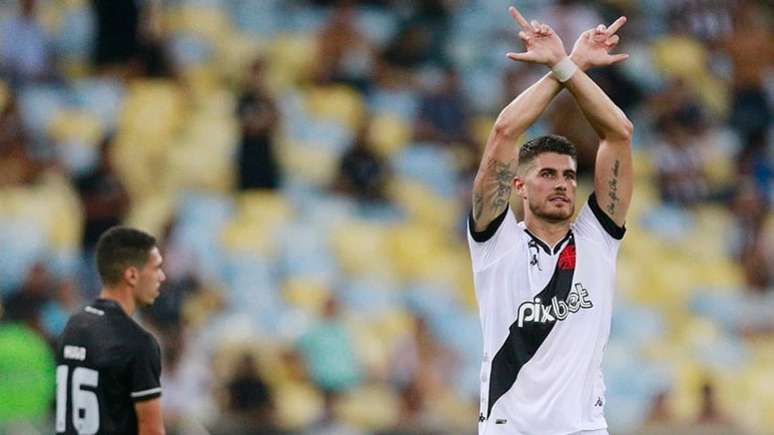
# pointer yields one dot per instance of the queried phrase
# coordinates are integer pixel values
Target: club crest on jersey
(535, 310)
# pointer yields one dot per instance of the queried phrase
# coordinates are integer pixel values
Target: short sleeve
(593, 223)
(497, 239)
(145, 372)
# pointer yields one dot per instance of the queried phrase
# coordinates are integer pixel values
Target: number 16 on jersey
(83, 402)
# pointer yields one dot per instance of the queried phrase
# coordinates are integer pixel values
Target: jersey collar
(548, 250)
(107, 304)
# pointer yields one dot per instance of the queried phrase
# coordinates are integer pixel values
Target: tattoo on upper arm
(502, 174)
(495, 191)
(478, 202)
(613, 193)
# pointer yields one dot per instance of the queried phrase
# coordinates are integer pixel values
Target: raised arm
(613, 182)
(492, 186)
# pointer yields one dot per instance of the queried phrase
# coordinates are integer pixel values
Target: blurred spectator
(413, 414)
(344, 55)
(751, 54)
(751, 211)
(26, 380)
(422, 368)
(26, 52)
(659, 412)
(117, 39)
(423, 362)
(256, 161)
(363, 174)
(756, 161)
(329, 354)
(711, 419)
(679, 159)
(250, 408)
(443, 114)
(423, 35)
(153, 60)
(105, 203)
(570, 18)
(26, 355)
(710, 21)
(26, 303)
(187, 379)
(64, 301)
(709, 412)
(16, 165)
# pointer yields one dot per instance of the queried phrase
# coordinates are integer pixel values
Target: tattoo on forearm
(613, 193)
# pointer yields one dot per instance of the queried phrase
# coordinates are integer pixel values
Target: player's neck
(122, 296)
(549, 232)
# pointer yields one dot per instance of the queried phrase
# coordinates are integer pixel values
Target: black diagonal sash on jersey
(523, 342)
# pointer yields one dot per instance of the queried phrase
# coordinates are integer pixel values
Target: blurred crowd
(307, 166)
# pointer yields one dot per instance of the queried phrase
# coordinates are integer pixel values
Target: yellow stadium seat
(377, 337)
(309, 163)
(428, 253)
(236, 51)
(307, 294)
(481, 126)
(3, 94)
(297, 405)
(682, 56)
(719, 169)
(642, 165)
(290, 58)
(261, 214)
(685, 57)
(65, 214)
(425, 206)
(372, 350)
(153, 212)
(388, 134)
(369, 408)
(74, 125)
(336, 103)
(152, 109)
(51, 204)
(361, 248)
(202, 157)
(210, 23)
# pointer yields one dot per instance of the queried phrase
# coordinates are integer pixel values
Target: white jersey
(545, 317)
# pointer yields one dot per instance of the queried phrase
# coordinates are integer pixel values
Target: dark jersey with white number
(105, 363)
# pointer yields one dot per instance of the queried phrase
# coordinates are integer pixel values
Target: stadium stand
(337, 298)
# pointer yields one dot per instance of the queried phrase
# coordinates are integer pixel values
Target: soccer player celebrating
(108, 366)
(545, 285)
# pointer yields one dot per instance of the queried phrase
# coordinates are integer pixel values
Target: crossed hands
(543, 46)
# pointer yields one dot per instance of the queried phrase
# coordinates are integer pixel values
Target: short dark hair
(552, 143)
(121, 247)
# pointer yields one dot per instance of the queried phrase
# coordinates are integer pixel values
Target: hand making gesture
(592, 49)
(542, 43)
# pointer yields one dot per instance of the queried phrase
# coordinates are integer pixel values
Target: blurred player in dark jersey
(108, 366)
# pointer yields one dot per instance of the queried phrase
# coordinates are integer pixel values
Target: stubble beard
(553, 216)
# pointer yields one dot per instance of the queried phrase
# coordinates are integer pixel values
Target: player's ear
(131, 275)
(519, 187)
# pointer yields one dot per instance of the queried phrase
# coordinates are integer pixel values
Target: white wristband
(565, 69)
